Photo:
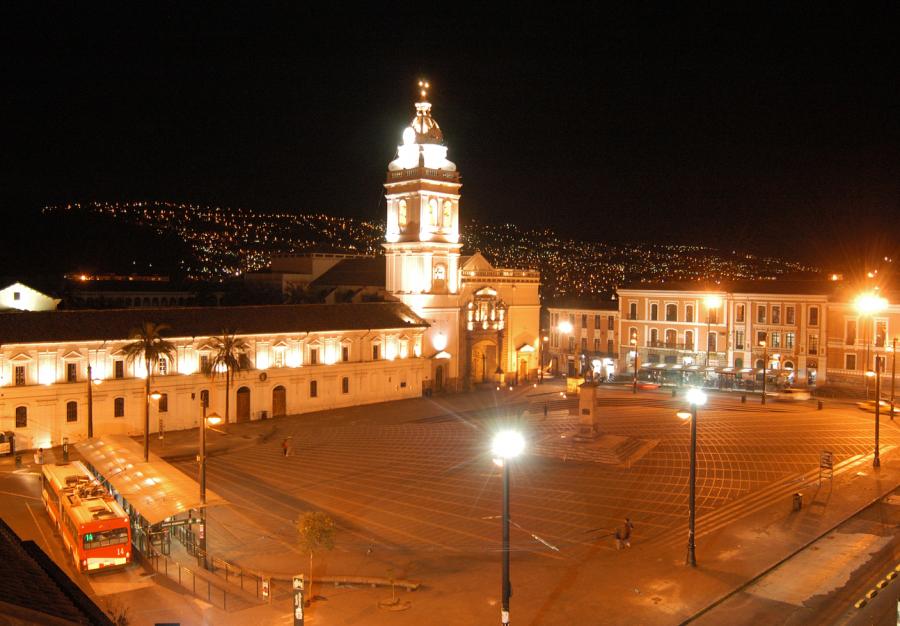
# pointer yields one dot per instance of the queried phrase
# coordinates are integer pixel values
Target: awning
(154, 488)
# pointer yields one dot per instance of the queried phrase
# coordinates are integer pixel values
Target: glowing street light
(507, 445)
(696, 398)
(876, 461)
(868, 304)
(634, 354)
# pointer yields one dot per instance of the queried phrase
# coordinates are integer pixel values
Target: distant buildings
(583, 336)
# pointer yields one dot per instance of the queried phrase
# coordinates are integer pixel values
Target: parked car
(791, 394)
(869, 405)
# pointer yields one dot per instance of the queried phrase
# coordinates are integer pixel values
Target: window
(712, 342)
(788, 315)
(738, 363)
(345, 353)
(598, 322)
(776, 314)
(119, 367)
(71, 411)
(761, 314)
(813, 344)
(776, 340)
(401, 212)
(313, 389)
(440, 273)
(20, 375)
(313, 356)
(279, 358)
(119, 407)
(654, 311)
(689, 313)
(611, 323)
(21, 417)
(850, 361)
(71, 372)
(789, 341)
(345, 385)
(632, 310)
(739, 313)
(433, 212)
(654, 336)
(204, 397)
(572, 319)
(688, 340)
(17, 295)
(712, 316)
(880, 332)
(164, 403)
(376, 352)
(571, 343)
(739, 340)
(671, 312)
(584, 321)
(813, 316)
(584, 344)
(596, 344)
(760, 337)
(850, 333)
(162, 366)
(447, 219)
(610, 346)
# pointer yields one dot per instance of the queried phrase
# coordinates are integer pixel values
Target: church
(483, 321)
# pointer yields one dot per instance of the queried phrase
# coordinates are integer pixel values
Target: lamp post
(876, 374)
(696, 398)
(634, 353)
(213, 419)
(90, 400)
(711, 302)
(541, 359)
(155, 396)
(765, 370)
(506, 446)
(893, 351)
(867, 305)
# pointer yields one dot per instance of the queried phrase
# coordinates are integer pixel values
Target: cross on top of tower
(424, 86)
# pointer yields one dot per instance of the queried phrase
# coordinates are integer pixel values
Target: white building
(305, 358)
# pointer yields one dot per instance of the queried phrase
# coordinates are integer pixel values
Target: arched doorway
(439, 379)
(484, 361)
(243, 404)
(279, 401)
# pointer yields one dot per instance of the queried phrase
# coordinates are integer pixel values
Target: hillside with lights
(221, 243)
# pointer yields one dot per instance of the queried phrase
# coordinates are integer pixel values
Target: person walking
(284, 447)
(546, 409)
(623, 535)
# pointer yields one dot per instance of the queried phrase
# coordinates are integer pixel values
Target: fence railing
(248, 580)
(188, 579)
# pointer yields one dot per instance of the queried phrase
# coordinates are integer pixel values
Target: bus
(94, 527)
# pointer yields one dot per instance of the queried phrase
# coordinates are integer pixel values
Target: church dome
(423, 125)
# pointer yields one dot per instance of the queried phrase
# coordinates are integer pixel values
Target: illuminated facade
(483, 320)
(583, 335)
(304, 358)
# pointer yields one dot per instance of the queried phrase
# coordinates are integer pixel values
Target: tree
(316, 530)
(148, 346)
(230, 357)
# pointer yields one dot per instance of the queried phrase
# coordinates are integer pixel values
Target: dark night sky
(771, 132)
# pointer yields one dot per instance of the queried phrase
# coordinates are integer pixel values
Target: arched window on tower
(447, 218)
(401, 213)
(439, 277)
(433, 212)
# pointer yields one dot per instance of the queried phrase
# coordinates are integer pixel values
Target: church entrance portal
(439, 379)
(279, 401)
(243, 405)
(484, 362)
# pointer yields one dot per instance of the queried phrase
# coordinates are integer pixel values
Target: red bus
(94, 528)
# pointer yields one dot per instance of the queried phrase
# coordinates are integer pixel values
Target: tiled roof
(359, 272)
(586, 302)
(116, 324)
(30, 581)
(800, 287)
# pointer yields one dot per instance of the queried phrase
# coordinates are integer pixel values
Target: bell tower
(422, 193)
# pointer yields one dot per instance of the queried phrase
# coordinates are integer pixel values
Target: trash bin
(798, 501)
(821, 405)
(743, 398)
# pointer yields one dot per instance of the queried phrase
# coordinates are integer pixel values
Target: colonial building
(687, 331)
(304, 358)
(583, 334)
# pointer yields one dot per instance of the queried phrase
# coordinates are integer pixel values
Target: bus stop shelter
(158, 497)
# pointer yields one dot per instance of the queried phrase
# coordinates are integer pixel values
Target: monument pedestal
(588, 428)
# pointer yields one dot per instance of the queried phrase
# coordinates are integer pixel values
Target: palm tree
(230, 357)
(149, 346)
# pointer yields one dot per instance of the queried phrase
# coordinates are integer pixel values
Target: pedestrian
(546, 409)
(37, 457)
(623, 535)
(284, 447)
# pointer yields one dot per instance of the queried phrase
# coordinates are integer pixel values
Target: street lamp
(876, 462)
(711, 302)
(212, 419)
(893, 350)
(634, 354)
(696, 398)
(91, 382)
(544, 340)
(765, 368)
(506, 446)
(867, 305)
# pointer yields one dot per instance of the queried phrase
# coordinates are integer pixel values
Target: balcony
(416, 173)
(670, 345)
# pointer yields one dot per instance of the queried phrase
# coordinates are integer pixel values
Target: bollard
(798, 501)
(18, 461)
(743, 398)
(821, 405)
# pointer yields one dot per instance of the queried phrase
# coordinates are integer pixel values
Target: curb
(783, 560)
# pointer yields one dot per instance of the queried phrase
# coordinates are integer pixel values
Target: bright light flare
(565, 326)
(685, 415)
(870, 303)
(508, 444)
(213, 419)
(696, 397)
(712, 302)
